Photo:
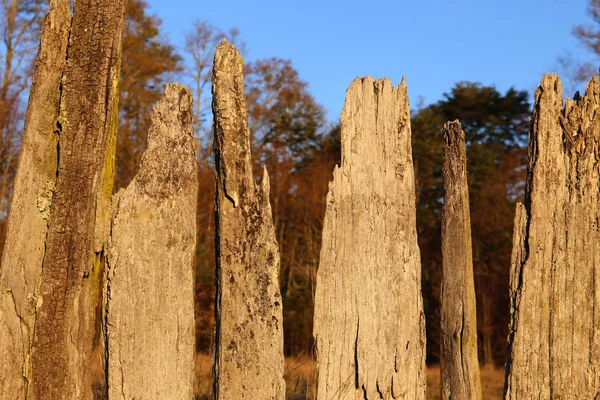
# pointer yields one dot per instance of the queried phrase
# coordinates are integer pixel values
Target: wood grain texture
(248, 360)
(369, 325)
(460, 378)
(21, 270)
(150, 285)
(554, 338)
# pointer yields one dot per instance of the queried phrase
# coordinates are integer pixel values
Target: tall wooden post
(249, 333)
(369, 325)
(460, 378)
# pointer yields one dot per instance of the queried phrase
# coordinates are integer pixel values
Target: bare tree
(20, 24)
(200, 44)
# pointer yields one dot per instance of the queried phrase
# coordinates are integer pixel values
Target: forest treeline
(292, 137)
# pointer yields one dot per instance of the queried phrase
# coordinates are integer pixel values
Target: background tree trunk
(459, 364)
(554, 339)
(249, 334)
(369, 325)
(21, 270)
(150, 287)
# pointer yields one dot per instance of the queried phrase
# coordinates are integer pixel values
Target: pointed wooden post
(150, 285)
(369, 325)
(554, 337)
(460, 378)
(249, 334)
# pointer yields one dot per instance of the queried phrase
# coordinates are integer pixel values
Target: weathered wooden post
(459, 364)
(52, 270)
(24, 249)
(554, 338)
(248, 360)
(150, 285)
(369, 325)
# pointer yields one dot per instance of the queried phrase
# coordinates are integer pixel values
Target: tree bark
(150, 288)
(459, 364)
(60, 218)
(20, 273)
(369, 325)
(554, 338)
(248, 359)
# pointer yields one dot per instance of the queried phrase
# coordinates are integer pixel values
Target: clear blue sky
(433, 43)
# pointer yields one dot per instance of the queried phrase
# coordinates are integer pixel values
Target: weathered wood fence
(96, 289)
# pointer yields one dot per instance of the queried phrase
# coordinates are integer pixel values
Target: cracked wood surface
(369, 325)
(21, 268)
(554, 337)
(65, 181)
(20, 273)
(150, 284)
(248, 359)
(460, 379)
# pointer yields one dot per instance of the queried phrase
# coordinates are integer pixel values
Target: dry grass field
(300, 379)
(492, 383)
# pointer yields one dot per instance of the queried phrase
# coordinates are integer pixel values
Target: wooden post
(369, 325)
(21, 269)
(150, 285)
(459, 364)
(554, 337)
(248, 360)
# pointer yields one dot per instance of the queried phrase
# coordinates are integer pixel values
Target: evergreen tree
(496, 127)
